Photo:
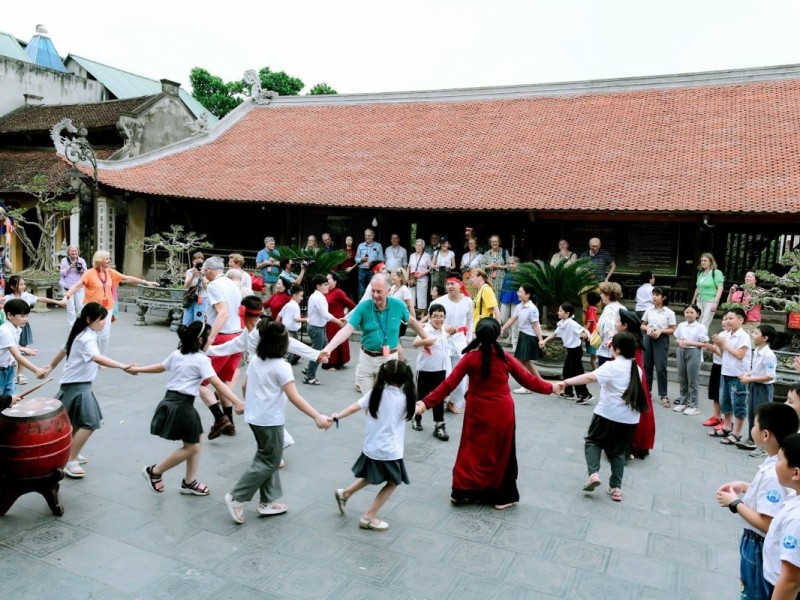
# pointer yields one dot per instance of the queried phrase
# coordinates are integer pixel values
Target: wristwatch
(732, 506)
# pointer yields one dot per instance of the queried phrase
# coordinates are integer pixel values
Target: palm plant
(564, 282)
(318, 262)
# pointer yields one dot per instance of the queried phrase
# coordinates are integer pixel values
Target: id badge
(385, 350)
(199, 299)
(105, 302)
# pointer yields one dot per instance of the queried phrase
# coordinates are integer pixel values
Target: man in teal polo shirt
(267, 260)
(378, 319)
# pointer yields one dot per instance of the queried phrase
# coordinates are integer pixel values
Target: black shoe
(416, 424)
(220, 426)
(439, 432)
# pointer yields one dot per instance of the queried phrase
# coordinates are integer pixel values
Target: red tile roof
(18, 166)
(720, 148)
(93, 115)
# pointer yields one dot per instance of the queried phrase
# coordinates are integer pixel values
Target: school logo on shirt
(774, 496)
(789, 542)
(770, 366)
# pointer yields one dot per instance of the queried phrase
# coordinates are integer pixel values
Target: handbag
(258, 283)
(190, 297)
(595, 340)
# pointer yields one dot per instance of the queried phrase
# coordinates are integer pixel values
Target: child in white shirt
(761, 376)
(292, 318)
(433, 366)
(571, 334)
(692, 337)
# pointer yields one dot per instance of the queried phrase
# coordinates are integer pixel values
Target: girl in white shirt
(692, 337)
(657, 324)
(175, 417)
(571, 334)
(270, 384)
(389, 403)
(83, 356)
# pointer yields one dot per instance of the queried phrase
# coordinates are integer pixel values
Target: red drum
(35, 438)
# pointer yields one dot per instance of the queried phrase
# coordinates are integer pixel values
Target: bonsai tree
(50, 211)
(556, 284)
(176, 243)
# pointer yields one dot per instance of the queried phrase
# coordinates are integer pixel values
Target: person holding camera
(194, 299)
(72, 268)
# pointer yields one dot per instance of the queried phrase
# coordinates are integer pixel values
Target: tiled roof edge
(567, 88)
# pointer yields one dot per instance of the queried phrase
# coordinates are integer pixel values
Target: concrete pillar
(75, 222)
(134, 258)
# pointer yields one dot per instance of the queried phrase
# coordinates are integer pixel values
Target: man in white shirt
(396, 256)
(458, 326)
(317, 317)
(222, 315)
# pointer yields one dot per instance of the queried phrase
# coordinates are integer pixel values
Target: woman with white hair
(100, 285)
(72, 267)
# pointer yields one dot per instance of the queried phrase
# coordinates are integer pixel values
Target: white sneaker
(691, 411)
(522, 390)
(679, 408)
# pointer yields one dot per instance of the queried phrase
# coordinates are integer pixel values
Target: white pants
(706, 316)
(458, 395)
(104, 336)
(421, 287)
(74, 305)
(367, 369)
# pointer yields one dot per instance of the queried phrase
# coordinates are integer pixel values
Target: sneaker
(758, 453)
(440, 433)
(615, 493)
(679, 408)
(416, 424)
(746, 445)
(691, 411)
(236, 509)
(592, 483)
(712, 422)
(588, 397)
(522, 390)
(565, 396)
(219, 426)
(583, 400)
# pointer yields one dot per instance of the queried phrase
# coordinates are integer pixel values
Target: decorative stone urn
(160, 298)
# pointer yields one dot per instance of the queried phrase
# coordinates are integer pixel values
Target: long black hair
(193, 337)
(633, 395)
(398, 374)
(91, 312)
(486, 333)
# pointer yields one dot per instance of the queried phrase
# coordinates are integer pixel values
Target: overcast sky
(374, 46)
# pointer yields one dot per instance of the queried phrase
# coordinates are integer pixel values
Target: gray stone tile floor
(667, 539)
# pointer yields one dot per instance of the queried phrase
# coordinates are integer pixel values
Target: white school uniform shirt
(318, 314)
(80, 367)
(385, 436)
(731, 366)
(439, 358)
(660, 318)
(225, 290)
(783, 540)
(691, 332)
(289, 315)
(613, 377)
(459, 315)
(265, 400)
(9, 336)
(644, 297)
(764, 363)
(187, 371)
(765, 494)
(26, 297)
(570, 332)
(526, 313)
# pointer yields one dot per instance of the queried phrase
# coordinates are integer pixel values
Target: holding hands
(729, 492)
(558, 387)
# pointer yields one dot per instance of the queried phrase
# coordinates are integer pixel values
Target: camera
(305, 261)
(78, 267)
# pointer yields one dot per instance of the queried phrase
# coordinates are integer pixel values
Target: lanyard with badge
(384, 327)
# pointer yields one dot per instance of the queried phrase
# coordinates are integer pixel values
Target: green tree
(213, 93)
(279, 81)
(321, 89)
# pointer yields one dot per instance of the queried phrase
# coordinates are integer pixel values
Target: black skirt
(527, 347)
(176, 418)
(611, 436)
(380, 471)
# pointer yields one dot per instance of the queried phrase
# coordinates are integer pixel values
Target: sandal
(74, 470)
(731, 439)
(720, 433)
(616, 494)
(155, 481)
(665, 402)
(194, 488)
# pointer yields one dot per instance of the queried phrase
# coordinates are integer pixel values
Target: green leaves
(320, 262)
(556, 284)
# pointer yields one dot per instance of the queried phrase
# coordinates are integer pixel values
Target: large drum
(35, 438)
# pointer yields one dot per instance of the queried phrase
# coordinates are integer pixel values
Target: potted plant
(316, 262)
(169, 294)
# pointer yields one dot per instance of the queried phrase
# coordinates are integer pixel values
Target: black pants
(427, 381)
(573, 366)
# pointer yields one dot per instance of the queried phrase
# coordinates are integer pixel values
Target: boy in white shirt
(17, 312)
(763, 498)
(734, 347)
(782, 543)
(292, 318)
(317, 317)
(433, 365)
(458, 326)
(761, 376)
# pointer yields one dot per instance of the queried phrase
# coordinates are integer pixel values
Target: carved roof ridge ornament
(76, 148)
(258, 95)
